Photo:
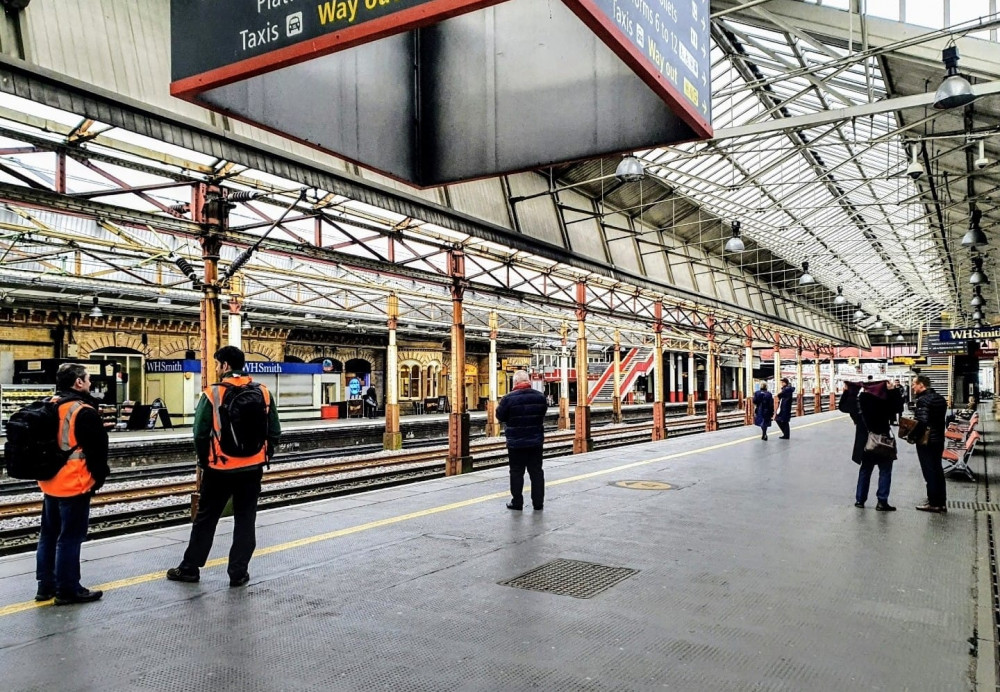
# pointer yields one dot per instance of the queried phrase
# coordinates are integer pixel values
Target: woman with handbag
(871, 408)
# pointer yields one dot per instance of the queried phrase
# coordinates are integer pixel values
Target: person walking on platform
(66, 503)
(523, 411)
(870, 407)
(371, 403)
(930, 414)
(784, 414)
(236, 431)
(763, 410)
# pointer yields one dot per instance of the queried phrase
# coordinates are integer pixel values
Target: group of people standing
(764, 411)
(874, 406)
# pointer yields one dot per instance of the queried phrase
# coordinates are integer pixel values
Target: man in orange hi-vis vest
(236, 431)
(66, 505)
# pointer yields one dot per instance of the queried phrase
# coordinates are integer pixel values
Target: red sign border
(428, 13)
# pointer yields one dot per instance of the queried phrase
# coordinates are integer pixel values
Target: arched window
(432, 385)
(415, 382)
(404, 382)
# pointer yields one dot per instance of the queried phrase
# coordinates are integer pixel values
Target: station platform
(752, 570)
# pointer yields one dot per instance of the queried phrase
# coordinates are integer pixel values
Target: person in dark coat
(523, 411)
(784, 413)
(930, 414)
(763, 404)
(371, 402)
(871, 409)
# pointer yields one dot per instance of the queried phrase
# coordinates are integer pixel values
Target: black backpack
(32, 450)
(243, 420)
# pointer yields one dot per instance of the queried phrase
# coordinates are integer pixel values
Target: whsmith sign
(969, 334)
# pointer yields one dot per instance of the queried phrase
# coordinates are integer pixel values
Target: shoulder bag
(879, 444)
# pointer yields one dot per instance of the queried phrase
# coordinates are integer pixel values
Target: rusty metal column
(209, 209)
(672, 379)
(616, 404)
(817, 388)
(492, 427)
(392, 438)
(800, 396)
(459, 460)
(564, 379)
(748, 379)
(659, 403)
(692, 378)
(582, 441)
(235, 335)
(711, 382)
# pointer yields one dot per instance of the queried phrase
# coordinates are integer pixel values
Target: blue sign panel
(969, 334)
(670, 38)
(173, 365)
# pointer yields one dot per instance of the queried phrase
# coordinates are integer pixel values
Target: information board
(221, 39)
(969, 333)
(670, 38)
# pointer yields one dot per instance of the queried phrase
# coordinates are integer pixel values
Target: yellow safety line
(309, 540)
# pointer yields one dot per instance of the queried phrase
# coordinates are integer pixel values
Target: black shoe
(180, 574)
(783, 438)
(81, 596)
(511, 505)
(884, 507)
(859, 505)
(45, 593)
(931, 508)
(764, 436)
(537, 509)
(238, 581)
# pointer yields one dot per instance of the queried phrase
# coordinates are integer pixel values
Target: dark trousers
(216, 489)
(784, 427)
(63, 530)
(930, 465)
(865, 479)
(529, 458)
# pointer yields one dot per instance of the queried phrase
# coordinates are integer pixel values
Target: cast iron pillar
(459, 460)
(582, 441)
(659, 405)
(833, 393)
(392, 438)
(692, 379)
(210, 210)
(492, 426)
(616, 401)
(800, 396)
(711, 381)
(777, 361)
(748, 378)
(818, 386)
(564, 378)
(235, 334)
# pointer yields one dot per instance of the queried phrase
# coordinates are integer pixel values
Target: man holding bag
(930, 413)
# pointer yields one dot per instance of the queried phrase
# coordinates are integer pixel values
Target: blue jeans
(64, 528)
(865, 478)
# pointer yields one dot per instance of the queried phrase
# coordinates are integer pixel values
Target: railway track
(283, 486)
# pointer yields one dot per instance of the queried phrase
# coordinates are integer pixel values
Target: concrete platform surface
(754, 572)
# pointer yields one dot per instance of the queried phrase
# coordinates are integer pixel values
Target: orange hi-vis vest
(74, 478)
(217, 459)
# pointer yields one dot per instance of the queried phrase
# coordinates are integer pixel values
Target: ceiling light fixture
(975, 237)
(878, 322)
(859, 314)
(630, 170)
(900, 338)
(978, 277)
(164, 300)
(840, 299)
(977, 315)
(96, 310)
(310, 316)
(977, 298)
(246, 322)
(955, 90)
(888, 332)
(735, 244)
(806, 277)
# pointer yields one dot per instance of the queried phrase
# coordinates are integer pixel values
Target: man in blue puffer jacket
(523, 411)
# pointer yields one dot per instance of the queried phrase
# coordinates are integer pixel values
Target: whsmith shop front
(297, 387)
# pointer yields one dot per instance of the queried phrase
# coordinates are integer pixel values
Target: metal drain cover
(643, 485)
(570, 578)
(975, 506)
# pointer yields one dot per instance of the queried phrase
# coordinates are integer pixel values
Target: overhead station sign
(438, 91)
(969, 334)
(668, 39)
